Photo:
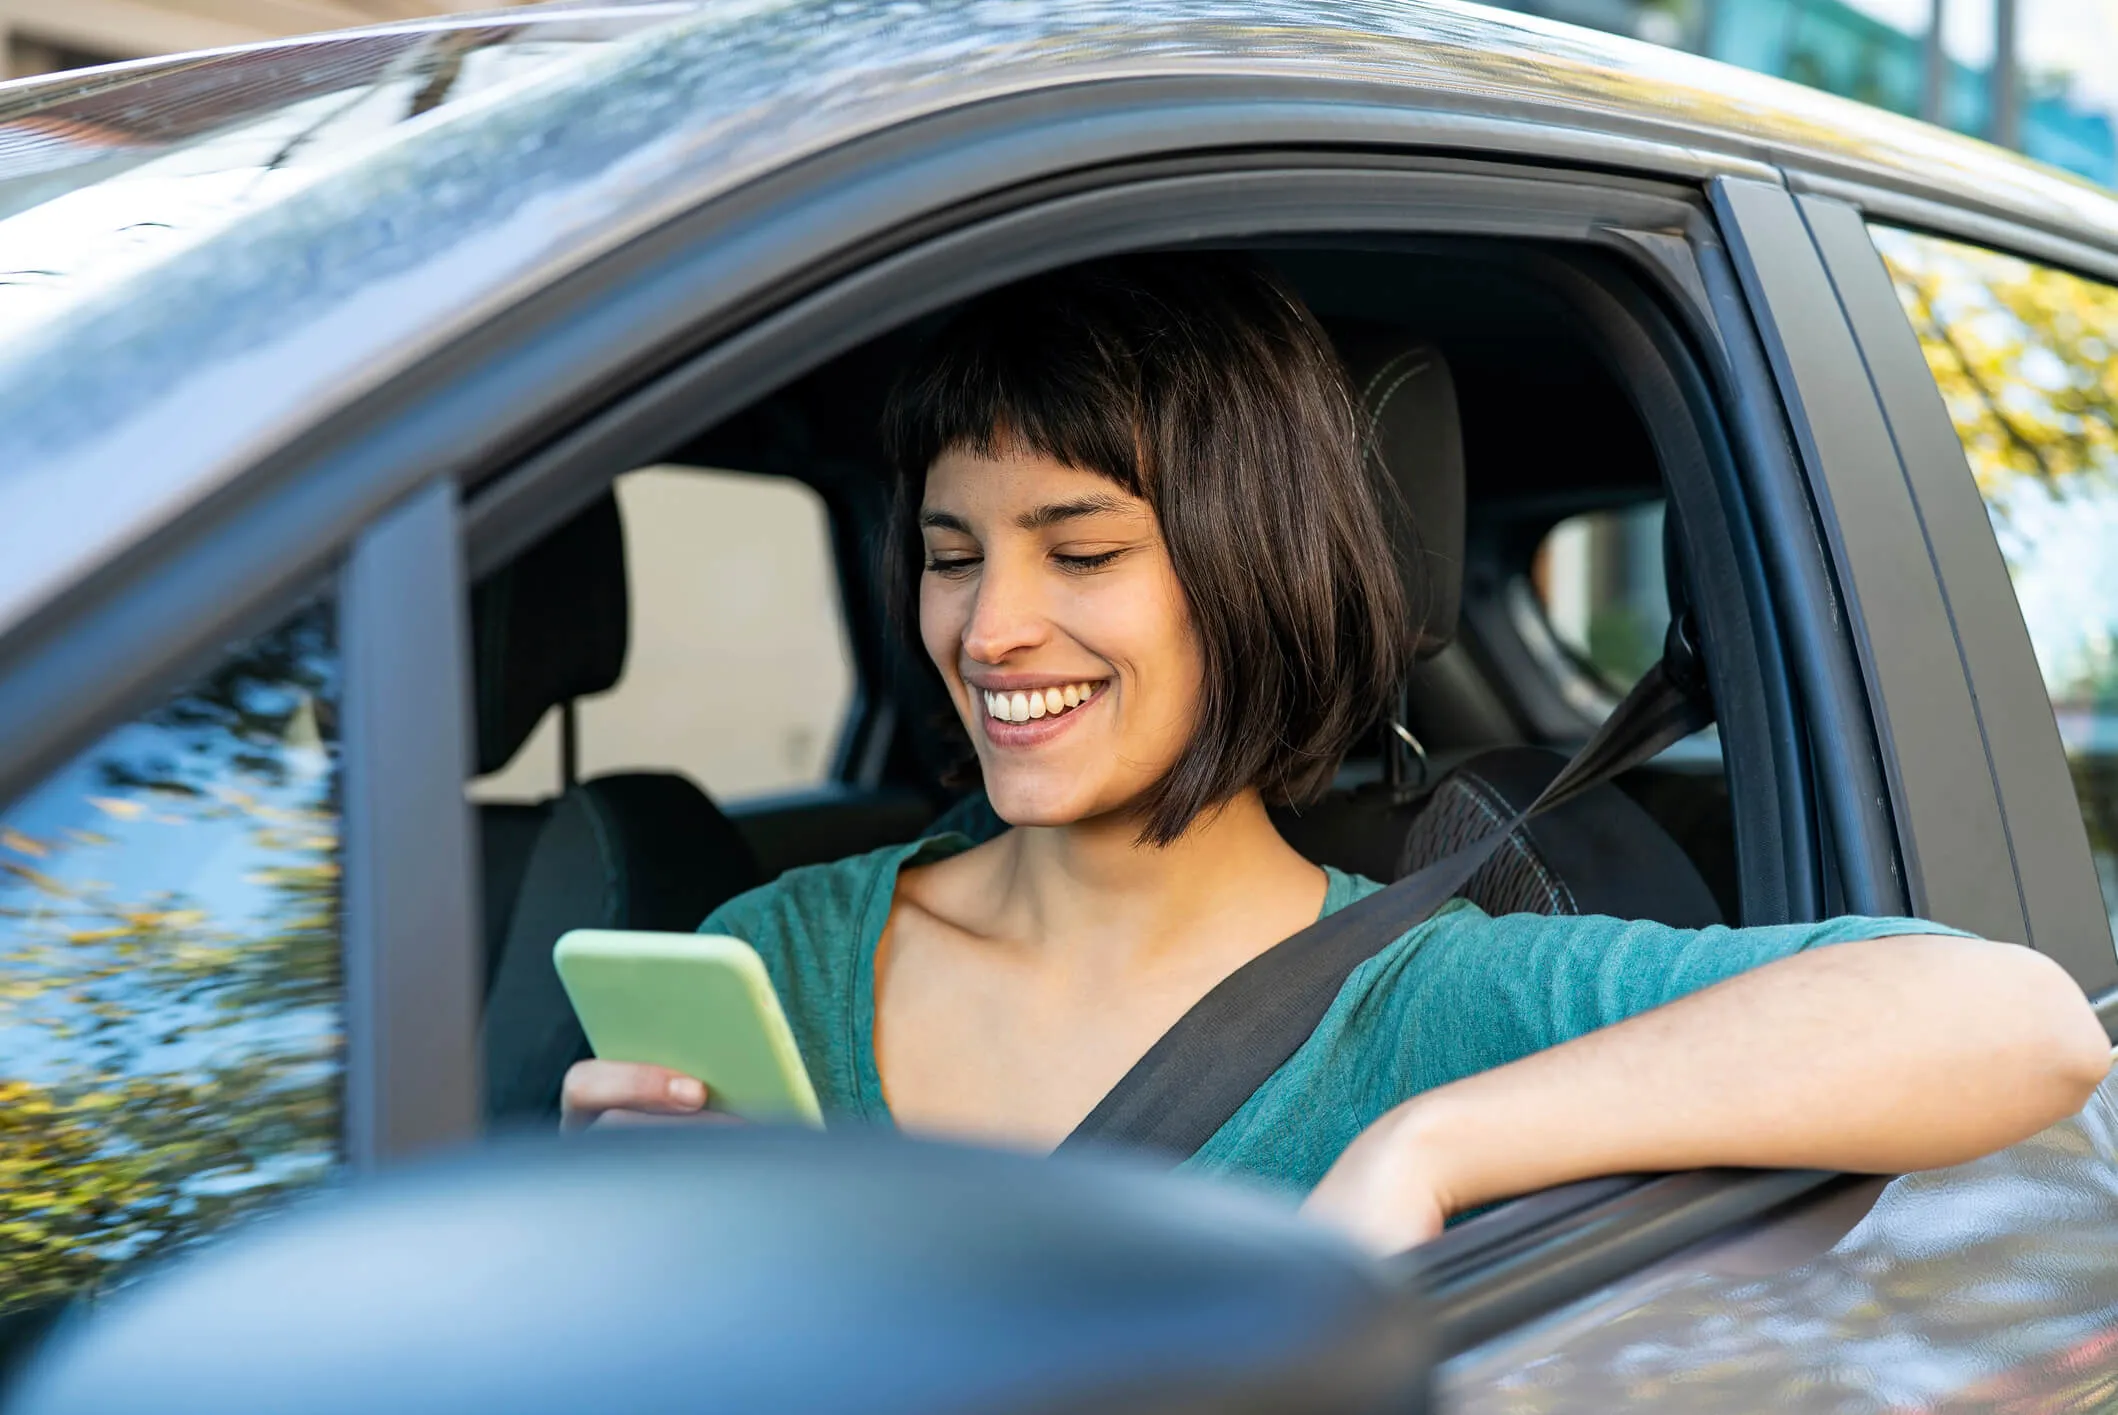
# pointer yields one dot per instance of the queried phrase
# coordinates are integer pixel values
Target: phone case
(697, 1003)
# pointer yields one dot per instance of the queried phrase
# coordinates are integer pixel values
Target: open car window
(1511, 343)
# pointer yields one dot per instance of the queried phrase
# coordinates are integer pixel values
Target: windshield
(105, 171)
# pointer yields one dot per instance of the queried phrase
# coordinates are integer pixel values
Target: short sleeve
(1480, 992)
(807, 929)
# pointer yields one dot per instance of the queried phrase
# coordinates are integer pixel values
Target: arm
(1882, 1056)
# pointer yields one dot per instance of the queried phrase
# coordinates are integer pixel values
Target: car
(487, 403)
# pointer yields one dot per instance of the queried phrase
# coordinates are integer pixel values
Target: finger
(595, 1086)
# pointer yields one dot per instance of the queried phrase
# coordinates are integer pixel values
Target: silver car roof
(180, 295)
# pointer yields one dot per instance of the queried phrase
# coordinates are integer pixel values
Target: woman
(1150, 570)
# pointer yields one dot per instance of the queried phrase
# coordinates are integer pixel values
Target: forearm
(1881, 1056)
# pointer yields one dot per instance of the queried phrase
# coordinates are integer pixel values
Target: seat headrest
(549, 626)
(1414, 438)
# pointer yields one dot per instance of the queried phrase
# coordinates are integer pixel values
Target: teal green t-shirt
(1462, 993)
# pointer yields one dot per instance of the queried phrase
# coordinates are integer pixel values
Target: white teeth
(1039, 702)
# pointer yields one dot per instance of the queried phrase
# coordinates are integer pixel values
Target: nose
(1006, 617)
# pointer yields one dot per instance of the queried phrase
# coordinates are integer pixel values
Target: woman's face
(1049, 604)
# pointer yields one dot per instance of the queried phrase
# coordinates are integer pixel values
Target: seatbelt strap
(1193, 1080)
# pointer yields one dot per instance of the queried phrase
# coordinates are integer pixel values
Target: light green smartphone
(696, 1003)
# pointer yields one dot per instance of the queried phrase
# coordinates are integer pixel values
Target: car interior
(1493, 415)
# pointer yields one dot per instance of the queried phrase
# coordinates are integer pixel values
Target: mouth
(1030, 704)
(1026, 717)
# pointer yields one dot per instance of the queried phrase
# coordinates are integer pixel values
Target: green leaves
(172, 1039)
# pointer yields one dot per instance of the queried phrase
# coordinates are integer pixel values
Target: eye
(952, 566)
(1082, 564)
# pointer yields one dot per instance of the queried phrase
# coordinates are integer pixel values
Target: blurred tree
(173, 1048)
(2024, 356)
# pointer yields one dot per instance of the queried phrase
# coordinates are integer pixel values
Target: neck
(1092, 890)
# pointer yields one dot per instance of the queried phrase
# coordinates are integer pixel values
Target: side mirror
(758, 1271)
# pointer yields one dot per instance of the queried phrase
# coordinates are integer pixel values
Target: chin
(1023, 803)
(1035, 815)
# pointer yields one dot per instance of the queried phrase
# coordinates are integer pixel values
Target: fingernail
(687, 1092)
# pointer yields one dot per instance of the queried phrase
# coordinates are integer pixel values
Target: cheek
(942, 610)
(1143, 627)
(1176, 643)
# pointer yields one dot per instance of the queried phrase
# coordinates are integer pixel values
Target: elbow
(2071, 1051)
(2088, 1053)
(2025, 1049)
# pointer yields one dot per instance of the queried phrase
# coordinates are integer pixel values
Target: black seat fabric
(639, 851)
(1413, 438)
(645, 851)
(507, 833)
(549, 626)
(1599, 854)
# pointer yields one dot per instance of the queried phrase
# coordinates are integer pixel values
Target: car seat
(638, 850)
(1599, 854)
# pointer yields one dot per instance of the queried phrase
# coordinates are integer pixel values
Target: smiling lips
(1033, 703)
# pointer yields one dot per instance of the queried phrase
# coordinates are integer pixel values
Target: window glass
(169, 973)
(738, 673)
(2027, 361)
(1598, 580)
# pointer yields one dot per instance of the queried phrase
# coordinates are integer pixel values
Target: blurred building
(43, 36)
(1894, 54)
(2054, 97)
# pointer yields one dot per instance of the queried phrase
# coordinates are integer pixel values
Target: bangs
(1044, 371)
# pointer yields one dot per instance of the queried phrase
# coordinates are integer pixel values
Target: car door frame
(411, 939)
(1988, 831)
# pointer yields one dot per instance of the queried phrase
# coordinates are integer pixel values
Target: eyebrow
(1038, 519)
(1057, 511)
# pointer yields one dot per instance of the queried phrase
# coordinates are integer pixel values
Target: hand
(629, 1093)
(1386, 1190)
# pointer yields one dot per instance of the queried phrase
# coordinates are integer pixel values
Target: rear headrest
(1415, 440)
(549, 626)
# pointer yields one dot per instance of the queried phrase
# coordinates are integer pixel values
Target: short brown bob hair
(1201, 384)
